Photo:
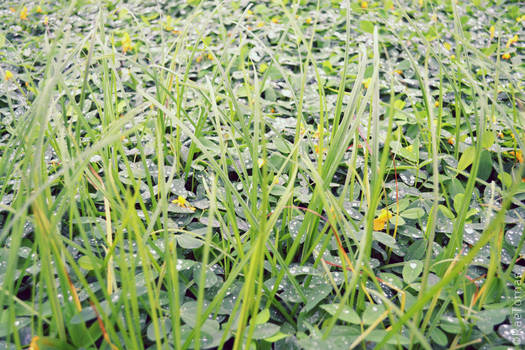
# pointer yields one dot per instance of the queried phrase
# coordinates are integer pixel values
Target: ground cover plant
(261, 174)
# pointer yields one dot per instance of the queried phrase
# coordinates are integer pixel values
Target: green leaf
(485, 165)
(315, 294)
(411, 270)
(263, 331)
(466, 158)
(384, 238)
(439, 336)
(366, 26)
(276, 337)
(89, 264)
(88, 314)
(506, 179)
(372, 313)
(487, 319)
(447, 212)
(188, 242)
(262, 317)
(488, 139)
(48, 343)
(413, 213)
(458, 200)
(347, 314)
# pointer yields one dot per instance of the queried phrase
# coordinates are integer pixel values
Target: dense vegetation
(285, 174)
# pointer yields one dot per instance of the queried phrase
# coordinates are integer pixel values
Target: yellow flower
(260, 162)
(34, 344)
(8, 75)
(452, 57)
(210, 57)
(317, 134)
(505, 56)
(364, 4)
(518, 155)
(436, 103)
(45, 20)
(366, 82)
(183, 203)
(126, 43)
(260, 24)
(398, 71)
(382, 219)
(447, 46)
(512, 40)
(492, 31)
(275, 20)
(318, 150)
(23, 14)
(308, 20)
(302, 130)
(249, 12)
(450, 140)
(38, 9)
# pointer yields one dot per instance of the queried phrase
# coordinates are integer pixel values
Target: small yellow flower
(364, 4)
(23, 14)
(518, 155)
(34, 344)
(183, 203)
(8, 75)
(308, 20)
(382, 219)
(492, 31)
(302, 130)
(512, 40)
(450, 140)
(260, 24)
(505, 56)
(275, 20)
(366, 82)
(38, 9)
(318, 150)
(317, 134)
(249, 12)
(447, 46)
(210, 57)
(260, 162)
(46, 20)
(452, 57)
(126, 43)
(436, 104)
(275, 180)
(398, 71)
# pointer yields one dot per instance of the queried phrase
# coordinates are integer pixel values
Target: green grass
(276, 174)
